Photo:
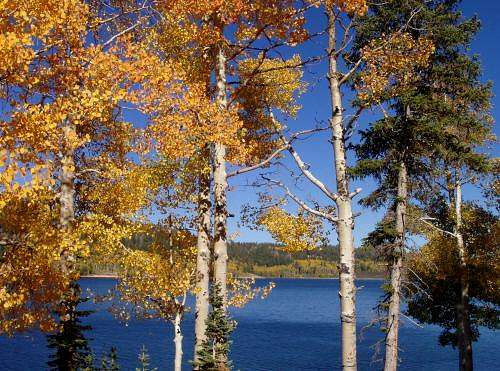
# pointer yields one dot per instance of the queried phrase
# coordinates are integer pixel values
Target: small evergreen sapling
(71, 346)
(213, 355)
(144, 361)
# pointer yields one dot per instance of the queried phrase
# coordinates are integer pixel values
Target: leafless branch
(299, 202)
(425, 220)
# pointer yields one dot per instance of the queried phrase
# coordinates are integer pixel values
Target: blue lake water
(296, 328)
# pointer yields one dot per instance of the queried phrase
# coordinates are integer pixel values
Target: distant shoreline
(112, 275)
(106, 275)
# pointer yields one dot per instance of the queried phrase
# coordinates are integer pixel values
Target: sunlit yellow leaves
(63, 116)
(154, 279)
(353, 7)
(243, 290)
(271, 83)
(358, 7)
(296, 233)
(29, 27)
(267, 84)
(391, 64)
(31, 282)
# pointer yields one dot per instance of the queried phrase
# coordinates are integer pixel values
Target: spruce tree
(71, 349)
(144, 360)
(110, 361)
(214, 352)
(438, 120)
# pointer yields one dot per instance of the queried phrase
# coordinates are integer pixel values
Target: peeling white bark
(178, 342)
(220, 186)
(345, 223)
(202, 263)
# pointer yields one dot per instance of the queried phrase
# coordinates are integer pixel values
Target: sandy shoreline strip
(111, 275)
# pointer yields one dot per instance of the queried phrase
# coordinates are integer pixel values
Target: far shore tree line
(268, 260)
(124, 124)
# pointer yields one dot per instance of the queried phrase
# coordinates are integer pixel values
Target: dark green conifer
(213, 355)
(432, 130)
(71, 349)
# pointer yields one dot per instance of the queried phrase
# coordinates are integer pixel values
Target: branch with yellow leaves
(286, 146)
(299, 202)
(346, 76)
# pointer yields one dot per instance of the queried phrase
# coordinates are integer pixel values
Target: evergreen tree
(110, 361)
(439, 118)
(213, 354)
(71, 347)
(144, 361)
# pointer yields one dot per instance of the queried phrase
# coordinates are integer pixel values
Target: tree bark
(220, 185)
(391, 340)
(345, 224)
(178, 342)
(67, 190)
(67, 305)
(464, 332)
(202, 263)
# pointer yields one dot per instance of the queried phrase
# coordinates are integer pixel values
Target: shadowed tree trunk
(391, 341)
(67, 190)
(464, 332)
(68, 354)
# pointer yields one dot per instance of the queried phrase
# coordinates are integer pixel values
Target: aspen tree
(206, 26)
(64, 142)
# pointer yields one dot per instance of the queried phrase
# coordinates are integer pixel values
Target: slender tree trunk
(463, 321)
(345, 224)
(202, 263)
(67, 306)
(67, 190)
(391, 341)
(220, 185)
(178, 342)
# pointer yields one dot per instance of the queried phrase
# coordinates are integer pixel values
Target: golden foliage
(352, 7)
(63, 98)
(242, 290)
(296, 233)
(153, 280)
(391, 64)
(30, 281)
(439, 258)
(267, 84)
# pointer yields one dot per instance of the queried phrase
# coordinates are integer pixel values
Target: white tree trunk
(391, 341)
(220, 186)
(178, 342)
(67, 190)
(464, 332)
(202, 263)
(345, 224)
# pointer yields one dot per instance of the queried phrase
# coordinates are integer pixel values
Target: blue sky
(317, 151)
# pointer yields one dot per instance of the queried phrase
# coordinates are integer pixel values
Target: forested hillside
(269, 260)
(138, 137)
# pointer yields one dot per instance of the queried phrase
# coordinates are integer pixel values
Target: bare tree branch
(436, 228)
(299, 202)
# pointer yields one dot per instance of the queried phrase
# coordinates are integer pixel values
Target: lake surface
(296, 328)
